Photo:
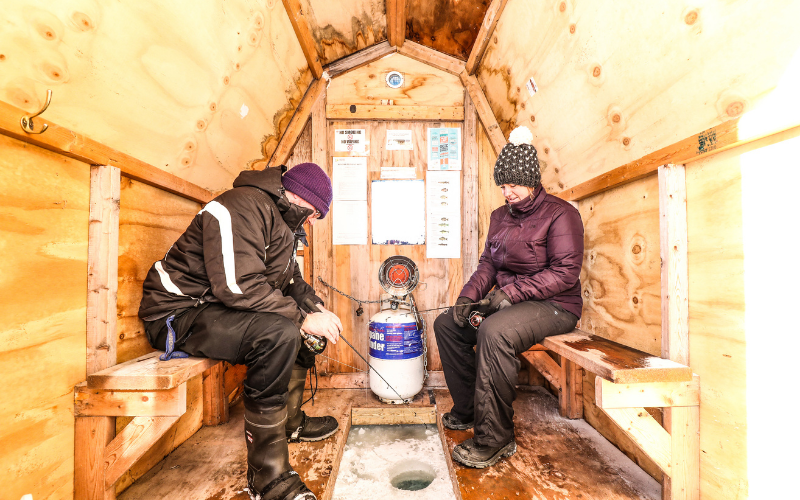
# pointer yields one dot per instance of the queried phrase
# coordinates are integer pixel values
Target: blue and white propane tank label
(394, 340)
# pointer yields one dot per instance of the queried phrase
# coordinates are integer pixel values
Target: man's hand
(323, 324)
(461, 311)
(498, 299)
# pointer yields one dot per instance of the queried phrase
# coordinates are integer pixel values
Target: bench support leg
(92, 435)
(683, 424)
(571, 397)
(215, 401)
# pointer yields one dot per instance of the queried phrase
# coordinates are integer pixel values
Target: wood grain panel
(44, 224)
(150, 221)
(340, 29)
(621, 275)
(489, 195)
(179, 85)
(423, 86)
(717, 342)
(605, 100)
(449, 26)
(355, 268)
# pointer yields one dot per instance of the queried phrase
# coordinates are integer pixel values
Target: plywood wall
(619, 80)
(423, 86)
(489, 195)
(355, 267)
(197, 88)
(449, 26)
(717, 345)
(44, 224)
(341, 28)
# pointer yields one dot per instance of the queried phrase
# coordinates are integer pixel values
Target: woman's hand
(461, 311)
(498, 300)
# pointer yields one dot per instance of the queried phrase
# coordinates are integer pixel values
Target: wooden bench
(628, 381)
(151, 391)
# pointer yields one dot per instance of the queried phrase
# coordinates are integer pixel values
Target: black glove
(498, 299)
(461, 311)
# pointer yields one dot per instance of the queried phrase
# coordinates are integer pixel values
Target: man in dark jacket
(230, 289)
(533, 256)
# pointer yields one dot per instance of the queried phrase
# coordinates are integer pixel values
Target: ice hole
(393, 462)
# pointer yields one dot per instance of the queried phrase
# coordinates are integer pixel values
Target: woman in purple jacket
(529, 271)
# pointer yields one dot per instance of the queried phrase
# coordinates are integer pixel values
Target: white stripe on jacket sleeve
(226, 235)
(168, 284)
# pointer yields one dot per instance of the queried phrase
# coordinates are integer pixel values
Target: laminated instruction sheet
(443, 203)
(349, 209)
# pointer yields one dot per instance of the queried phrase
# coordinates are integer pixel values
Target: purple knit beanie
(310, 182)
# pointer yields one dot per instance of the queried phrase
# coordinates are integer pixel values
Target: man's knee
(277, 330)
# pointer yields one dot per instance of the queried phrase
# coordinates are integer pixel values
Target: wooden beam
(646, 433)
(147, 373)
(674, 265)
(215, 400)
(571, 399)
(396, 21)
(406, 113)
(485, 34)
(715, 140)
(101, 302)
(135, 439)
(615, 362)
(485, 112)
(303, 32)
(683, 482)
(393, 415)
(545, 365)
(68, 143)
(92, 435)
(650, 395)
(360, 58)
(100, 403)
(297, 123)
(470, 252)
(432, 57)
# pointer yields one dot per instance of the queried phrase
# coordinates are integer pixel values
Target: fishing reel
(314, 343)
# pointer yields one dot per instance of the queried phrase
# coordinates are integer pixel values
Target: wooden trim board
(303, 32)
(432, 57)
(298, 122)
(407, 113)
(485, 34)
(360, 58)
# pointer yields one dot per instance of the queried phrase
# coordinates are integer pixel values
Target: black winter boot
(299, 426)
(479, 456)
(269, 475)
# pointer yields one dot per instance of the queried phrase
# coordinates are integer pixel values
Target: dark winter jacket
(534, 251)
(239, 250)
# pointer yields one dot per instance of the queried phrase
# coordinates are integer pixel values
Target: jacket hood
(268, 180)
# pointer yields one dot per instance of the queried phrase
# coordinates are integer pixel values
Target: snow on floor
(376, 454)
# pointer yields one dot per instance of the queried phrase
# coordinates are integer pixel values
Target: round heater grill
(398, 275)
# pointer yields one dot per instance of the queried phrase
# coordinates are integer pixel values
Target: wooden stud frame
(470, 251)
(298, 122)
(303, 32)
(396, 22)
(485, 34)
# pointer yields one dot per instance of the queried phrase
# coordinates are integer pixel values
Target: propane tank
(396, 341)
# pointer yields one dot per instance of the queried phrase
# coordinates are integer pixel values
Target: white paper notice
(444, 149)
(397, 140)
(350, 178)
(398, 173)
(398, 212)
(443, 202)
(350, 140)
(349, 222)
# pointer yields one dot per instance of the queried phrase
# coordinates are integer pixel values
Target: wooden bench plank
(147, 373)
(102, 403)
(645, 432)
(135, 439)
(545, 365)
(615, 362)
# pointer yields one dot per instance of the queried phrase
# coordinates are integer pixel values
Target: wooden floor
(556, 458)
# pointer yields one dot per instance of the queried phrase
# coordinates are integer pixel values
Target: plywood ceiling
(449, 26)
(341, 28)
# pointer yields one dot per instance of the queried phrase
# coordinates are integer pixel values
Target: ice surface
(375, 454)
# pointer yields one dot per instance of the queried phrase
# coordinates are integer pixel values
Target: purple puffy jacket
(534, 251)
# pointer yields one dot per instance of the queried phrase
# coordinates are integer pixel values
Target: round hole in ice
(412, 475)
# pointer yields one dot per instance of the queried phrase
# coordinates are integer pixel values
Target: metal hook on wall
(27, 121)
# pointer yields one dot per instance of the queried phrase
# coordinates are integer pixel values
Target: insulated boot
(480, 456)
(299, 426)
(453, 423)
(269, 475)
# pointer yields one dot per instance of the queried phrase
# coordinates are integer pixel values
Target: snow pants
(480, 366)
(268, 344)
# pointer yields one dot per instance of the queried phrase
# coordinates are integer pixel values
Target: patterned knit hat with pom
(518, 163)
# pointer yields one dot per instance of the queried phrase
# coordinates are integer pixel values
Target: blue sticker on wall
(394, 340)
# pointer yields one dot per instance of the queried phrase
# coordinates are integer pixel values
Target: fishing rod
(317, 345)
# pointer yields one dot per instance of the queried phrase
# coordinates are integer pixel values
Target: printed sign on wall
(444, 149)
